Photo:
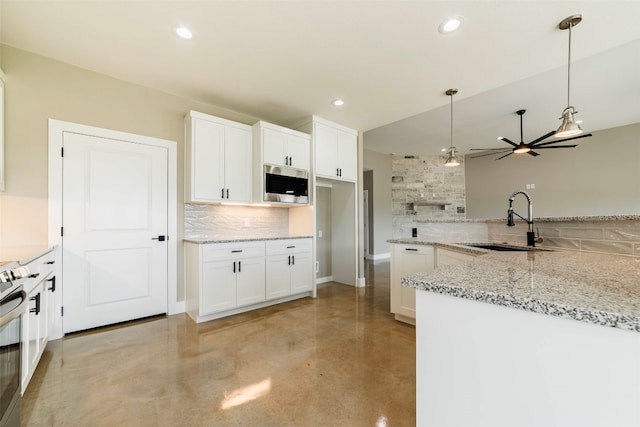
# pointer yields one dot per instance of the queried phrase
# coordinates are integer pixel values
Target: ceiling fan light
(569, 127)
(522, 149)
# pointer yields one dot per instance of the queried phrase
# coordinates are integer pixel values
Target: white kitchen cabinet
(289, 268)
(405, 261)
(336, 152)
(223, 276)
(38, 314)
(409, 259)
(281, 146)
(229, 278)
(218, 159)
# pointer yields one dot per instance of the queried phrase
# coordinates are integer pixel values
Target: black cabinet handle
(227, 193)
(289, 262)
(234, 266)
(411, 249)
(239, 266)
(290, 247)
(290, 161)
(34, 275)
(36, 310)
(293, 260)
(50, 262)
(53, 284)
(222, 194)
(236, 251)
(337, 171)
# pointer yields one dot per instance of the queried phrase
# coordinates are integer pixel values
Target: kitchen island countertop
(593, 288)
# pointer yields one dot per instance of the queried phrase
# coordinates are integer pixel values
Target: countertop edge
(201, 241)
(593, 316)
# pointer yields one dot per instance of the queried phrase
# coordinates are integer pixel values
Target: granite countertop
(535, 219)
(236, 238)
(593, 288)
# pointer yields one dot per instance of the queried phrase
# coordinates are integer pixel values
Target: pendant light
(452, 160)
(569, 127)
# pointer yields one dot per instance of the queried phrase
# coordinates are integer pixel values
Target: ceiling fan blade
(487, 149)
(505, 156)
(563, 140)
(533, 153)
(490, 154)
(508, 141)
(557, 146)
(543, 137)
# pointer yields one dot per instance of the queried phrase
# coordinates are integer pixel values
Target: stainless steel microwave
(285, 185)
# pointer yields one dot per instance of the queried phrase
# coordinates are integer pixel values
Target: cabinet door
(43, 318)
(326, 139)
(278, 276)
(51, 287)
(407, 260)
(298, 152)
(301, 273)
(348, 155)
(250, 281)
(218, 287)
(237, 160)
(207, 161)
(274, 147)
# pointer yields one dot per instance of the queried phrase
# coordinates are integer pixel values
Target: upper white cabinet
(218, 159)
(281, 146)
(336, 151)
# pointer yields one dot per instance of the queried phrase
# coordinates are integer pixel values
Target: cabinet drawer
(236, 250)
(416, 249)
(275, 247)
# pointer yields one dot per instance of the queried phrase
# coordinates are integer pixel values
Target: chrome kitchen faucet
(531, 236)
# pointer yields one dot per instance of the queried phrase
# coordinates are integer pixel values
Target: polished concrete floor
(336, 360)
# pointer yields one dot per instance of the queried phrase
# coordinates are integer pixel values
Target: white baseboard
(323, 279)
(377, 257)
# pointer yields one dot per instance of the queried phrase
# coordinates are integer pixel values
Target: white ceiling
(284, 60)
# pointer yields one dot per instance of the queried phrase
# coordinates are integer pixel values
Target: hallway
(337, 360)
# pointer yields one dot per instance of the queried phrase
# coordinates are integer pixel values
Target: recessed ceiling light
(184, 32)
(443, 150)
(337, 102)
(450, 24)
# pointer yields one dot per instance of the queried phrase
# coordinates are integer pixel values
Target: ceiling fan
(528, 148)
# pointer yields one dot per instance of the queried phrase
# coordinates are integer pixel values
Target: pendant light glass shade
(569, 127)
(452, 159)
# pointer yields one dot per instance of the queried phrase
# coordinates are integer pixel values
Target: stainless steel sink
(503, 247)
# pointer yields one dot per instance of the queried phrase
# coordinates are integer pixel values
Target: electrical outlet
(317, 266)
(319, 234)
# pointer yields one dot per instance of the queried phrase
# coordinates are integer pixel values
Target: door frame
(57, 128)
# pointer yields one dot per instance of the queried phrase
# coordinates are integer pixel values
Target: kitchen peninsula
(527, 339)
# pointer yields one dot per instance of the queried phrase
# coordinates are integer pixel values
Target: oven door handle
(16, 311)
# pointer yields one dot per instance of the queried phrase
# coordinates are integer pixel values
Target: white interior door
(114, 203)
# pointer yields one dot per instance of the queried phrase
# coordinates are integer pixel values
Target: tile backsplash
(214, 221)
(603, 236)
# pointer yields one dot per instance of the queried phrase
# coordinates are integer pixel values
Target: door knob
(160, 238)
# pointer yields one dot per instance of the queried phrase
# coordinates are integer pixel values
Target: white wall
(380, 164)
(598, 177)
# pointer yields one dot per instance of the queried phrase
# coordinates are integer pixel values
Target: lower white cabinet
(37, 316)
(407, 260)
(289, 267)
(229, 278)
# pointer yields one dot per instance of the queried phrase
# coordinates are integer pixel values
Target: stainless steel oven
(12, 304)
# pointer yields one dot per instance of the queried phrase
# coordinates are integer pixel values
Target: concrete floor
(337, 360)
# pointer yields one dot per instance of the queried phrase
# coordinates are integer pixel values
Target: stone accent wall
(620, 237)
(423, 188)
(215, 221)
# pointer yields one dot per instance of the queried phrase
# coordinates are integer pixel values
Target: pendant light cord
(569, 69)
(451, 148)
